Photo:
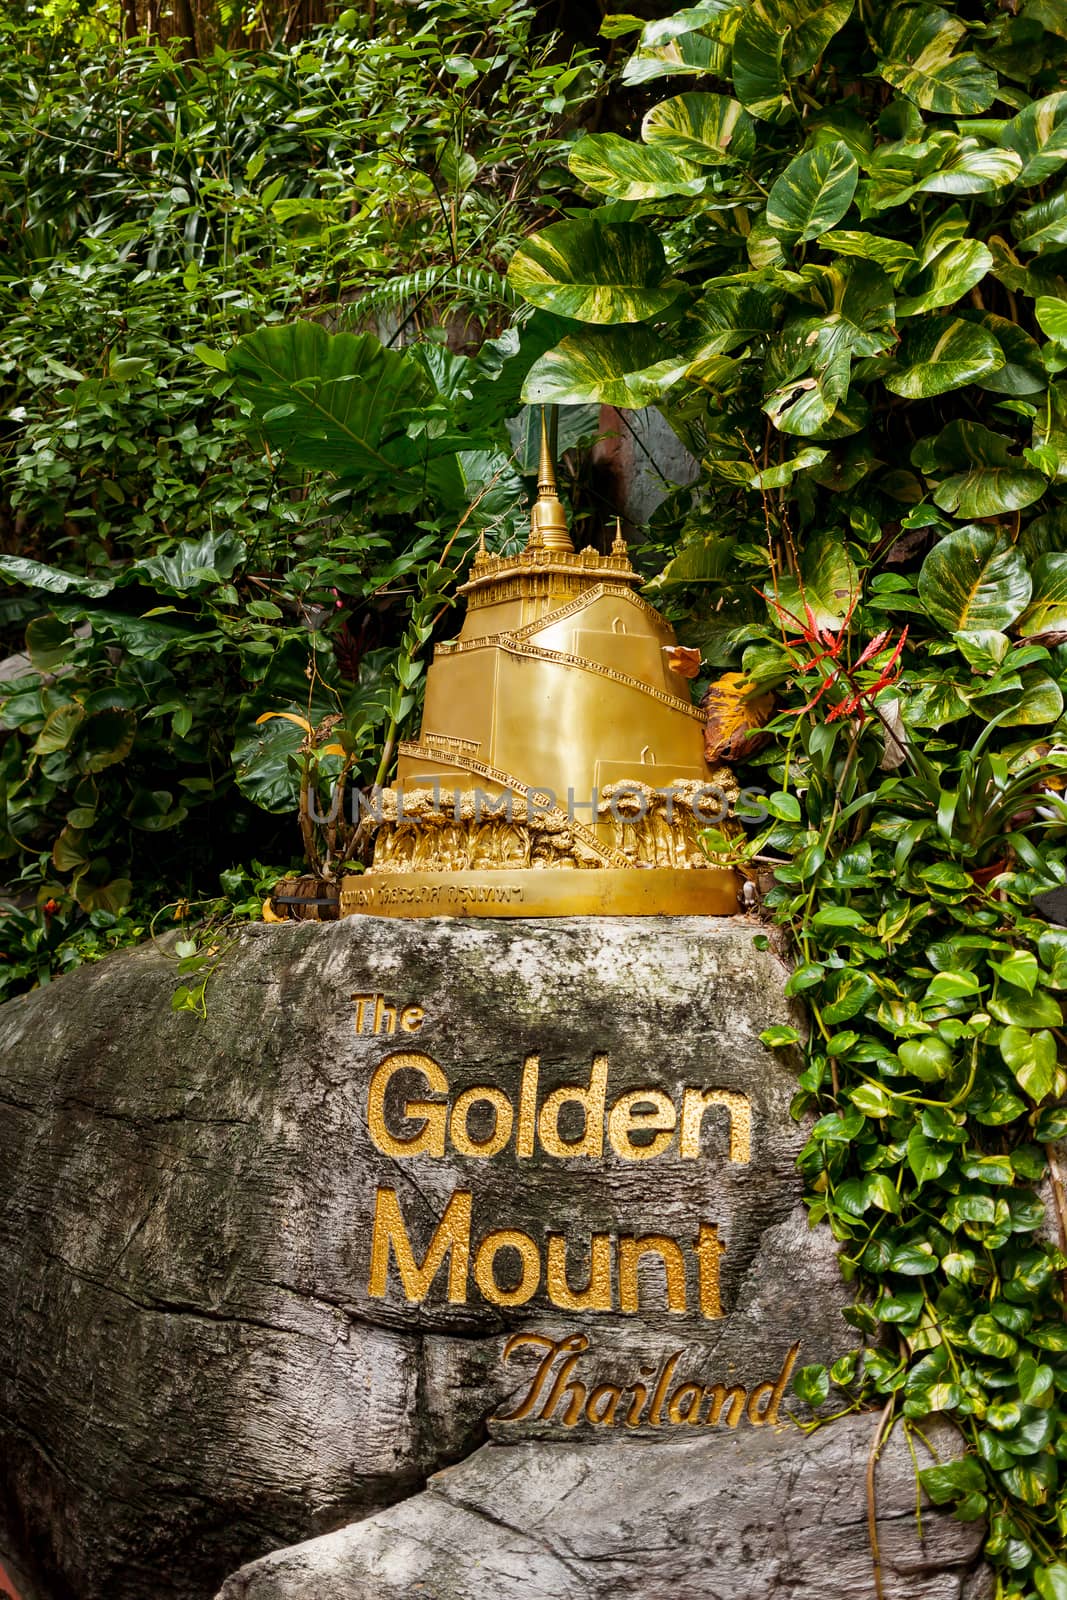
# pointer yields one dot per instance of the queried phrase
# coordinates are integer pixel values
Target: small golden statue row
(554, 736)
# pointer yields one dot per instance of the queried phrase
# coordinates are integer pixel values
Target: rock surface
(754, 1517)
(197, 1362)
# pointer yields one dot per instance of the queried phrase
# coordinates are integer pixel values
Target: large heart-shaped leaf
(193, 563)
(707, 128)
(778, 40)
(807, 26)
(972, 579)
(1035, 703)
(954, 270)
(1047, 611)
(814, 191)
(1023, 372)
(611, 366)
(732, 313)
(335, 401)
(973, 168)
(990, 480)
(917, 57)
(892, 255)
(827, 584)
(629, 171)
(1038, 135)
(53, 580)
(1042, 225)
(1051, 316)
(941, 354)
(690, 53)
(594, 271)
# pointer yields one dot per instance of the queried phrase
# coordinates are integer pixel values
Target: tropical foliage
(831, 247)
(169, 580)
(837, 260)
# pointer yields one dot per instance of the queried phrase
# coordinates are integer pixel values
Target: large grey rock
(197, 1362)
(753, 1516)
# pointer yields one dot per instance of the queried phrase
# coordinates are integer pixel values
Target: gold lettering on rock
(647, 1114)
(555, 1394)
(596, 1296)
(485, 1260)
(430, 1140)
(452, 1238)
(503, 1117)
(695, 1102)
(591, 1099)
(383, 1018)
(630, 1252)
(626, 1118)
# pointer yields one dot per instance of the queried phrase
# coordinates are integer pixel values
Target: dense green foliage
(836, 259)
(169, 582)
(838, 262)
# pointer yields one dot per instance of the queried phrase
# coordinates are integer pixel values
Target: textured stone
(750, 1517)
(193, 1371)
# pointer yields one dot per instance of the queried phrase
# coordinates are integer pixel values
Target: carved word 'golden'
(651, 1403)
(452, 1239)
(640, 1124)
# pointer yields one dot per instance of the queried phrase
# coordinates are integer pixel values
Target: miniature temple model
(554, 736)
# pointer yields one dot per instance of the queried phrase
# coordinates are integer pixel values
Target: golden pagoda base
(544, 892)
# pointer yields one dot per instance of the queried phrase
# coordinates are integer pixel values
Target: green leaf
(192, 564)
(811, 1385)
(1042, 225)
(974, 579)
(918, 58)
(950, 1479)
(59, 729)
(872, 1100)
(1051, 314)
(828, 582)
(1047, 611)
(927, 1058)
(778, 1036)
(105, 738)
(605, 366)
(987, 479)
(989, 1338)
(1038, 135)
(36, 575)
(1020, 969)
(49, 642)
(1051, 1581)
(629, 171)
(336, 401)
(594, 272)
(927, 1158)
(1039, 1010)
(890, 254)
(710, 129)
(943, 354)
(814, 191)
(947, 277)
(973, 168)
(689, 54)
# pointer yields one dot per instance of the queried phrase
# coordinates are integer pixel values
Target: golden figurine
(560, 768)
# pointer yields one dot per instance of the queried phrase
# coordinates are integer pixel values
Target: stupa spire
(548, 525)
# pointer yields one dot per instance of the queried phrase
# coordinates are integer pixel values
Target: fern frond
(467, 285)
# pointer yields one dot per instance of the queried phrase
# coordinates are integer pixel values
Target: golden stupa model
(560, 766)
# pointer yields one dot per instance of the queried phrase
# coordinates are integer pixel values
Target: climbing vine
(837, 262)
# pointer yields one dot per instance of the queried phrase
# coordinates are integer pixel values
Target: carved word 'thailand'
(652, 1399)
